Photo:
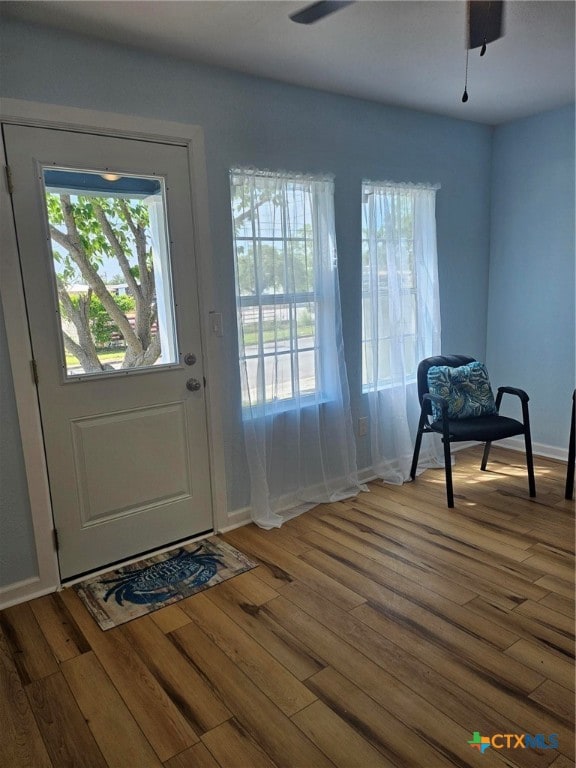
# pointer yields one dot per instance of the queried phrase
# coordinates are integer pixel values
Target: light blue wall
(531, 314)
(251, 121)
(17, 550)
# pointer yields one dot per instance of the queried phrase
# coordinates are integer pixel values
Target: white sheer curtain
(401, 319)
(295, 399)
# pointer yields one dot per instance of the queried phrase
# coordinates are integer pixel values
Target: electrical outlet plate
(216, 323)
(362, 426)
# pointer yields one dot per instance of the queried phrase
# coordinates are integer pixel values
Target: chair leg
(569, 493)
(485, 455)
(417, 446)
(528, 442)
(448, 469)
(530, 464)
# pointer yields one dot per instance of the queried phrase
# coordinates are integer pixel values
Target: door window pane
(111, 267)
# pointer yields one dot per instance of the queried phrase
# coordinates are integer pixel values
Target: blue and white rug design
(134, 590)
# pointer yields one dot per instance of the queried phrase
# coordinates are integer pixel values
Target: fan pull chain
(483, 50)
(465, 94)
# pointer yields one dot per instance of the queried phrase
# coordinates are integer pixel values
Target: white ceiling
(403, 52)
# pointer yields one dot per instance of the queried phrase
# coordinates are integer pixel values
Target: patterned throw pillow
(467, 390)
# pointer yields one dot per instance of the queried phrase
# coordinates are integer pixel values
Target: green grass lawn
(107, 356)
(251, 335)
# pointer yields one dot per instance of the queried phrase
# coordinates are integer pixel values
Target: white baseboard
(538, 449)
(237, 519)
(366, 475)
(454, 447)
(240, 517)
(22, 591)
(517, 444)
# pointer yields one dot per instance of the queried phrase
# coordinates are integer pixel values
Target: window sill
(366, 389)
(282, 407)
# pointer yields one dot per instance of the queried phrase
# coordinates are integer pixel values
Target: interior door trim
(40, 115)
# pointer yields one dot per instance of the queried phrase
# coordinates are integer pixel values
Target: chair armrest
(523, 399)
(440, 401)
(511, 391)
(443, 404)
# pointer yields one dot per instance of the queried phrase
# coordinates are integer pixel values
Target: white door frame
(12, 294)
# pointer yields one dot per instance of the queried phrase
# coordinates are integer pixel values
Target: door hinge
(34, 367)
(9, 181)
(56, 540)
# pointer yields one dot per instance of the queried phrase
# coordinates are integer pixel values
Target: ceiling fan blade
(485, 22)
(317, 11)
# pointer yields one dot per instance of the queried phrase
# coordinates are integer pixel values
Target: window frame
(369, 189)
(291, 299)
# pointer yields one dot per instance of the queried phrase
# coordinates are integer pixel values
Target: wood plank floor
(380, 631)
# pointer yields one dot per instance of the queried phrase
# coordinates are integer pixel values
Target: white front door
(105, 234)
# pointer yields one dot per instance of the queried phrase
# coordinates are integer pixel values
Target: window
(278, 224)
(296, 414)
(111, 268)
(398, 246)
(400, 316)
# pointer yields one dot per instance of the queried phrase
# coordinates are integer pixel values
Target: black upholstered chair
(485, 429)
(571, 452)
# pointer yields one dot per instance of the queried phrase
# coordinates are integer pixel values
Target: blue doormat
(126, 593)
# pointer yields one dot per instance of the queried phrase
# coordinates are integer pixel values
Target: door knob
(193, 385)
(190, 358)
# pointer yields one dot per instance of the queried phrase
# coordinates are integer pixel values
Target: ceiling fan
(484, 22)
(485, 18)
(317, 11)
